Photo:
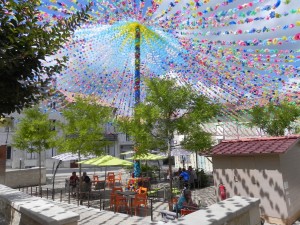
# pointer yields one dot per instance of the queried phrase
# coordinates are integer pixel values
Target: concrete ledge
(19, 208)
(24, 177)
(235, 210)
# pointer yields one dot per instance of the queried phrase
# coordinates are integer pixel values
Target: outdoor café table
(126, 193)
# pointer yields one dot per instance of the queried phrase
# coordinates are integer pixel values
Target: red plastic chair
(118, 178)
(138, 201)
(185, 212)
(121, 201)
(111, 181)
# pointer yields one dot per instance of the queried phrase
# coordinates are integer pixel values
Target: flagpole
(137, 81)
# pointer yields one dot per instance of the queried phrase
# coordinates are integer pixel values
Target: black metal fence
(99, 199)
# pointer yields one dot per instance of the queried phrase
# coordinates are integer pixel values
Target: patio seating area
(142, 201)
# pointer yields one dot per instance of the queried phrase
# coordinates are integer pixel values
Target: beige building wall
(253, 176)
(289, 162)
(271, 191)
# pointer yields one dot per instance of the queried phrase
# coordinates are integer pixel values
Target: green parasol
(148, 157)
(105, 161)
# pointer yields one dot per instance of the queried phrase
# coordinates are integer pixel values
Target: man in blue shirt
(185, 176)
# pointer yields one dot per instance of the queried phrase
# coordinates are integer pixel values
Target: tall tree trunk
(170, 176)
(80, 180)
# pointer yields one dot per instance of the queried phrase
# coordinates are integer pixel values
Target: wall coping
(43, 211)
(219, 213)
(23, 169)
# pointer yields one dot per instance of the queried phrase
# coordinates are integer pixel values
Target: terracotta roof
(255, 146)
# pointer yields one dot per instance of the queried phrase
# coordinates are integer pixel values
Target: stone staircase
(92, 216)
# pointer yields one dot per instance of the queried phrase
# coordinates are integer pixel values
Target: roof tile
(255, 146)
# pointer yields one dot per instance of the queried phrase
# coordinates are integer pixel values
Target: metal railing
(95, 199)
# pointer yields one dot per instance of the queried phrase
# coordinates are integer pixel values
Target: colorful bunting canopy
(240, 53)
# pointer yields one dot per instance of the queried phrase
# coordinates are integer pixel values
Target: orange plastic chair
(112, 200)
(111, 181)
(110, 173)
(142, 190)
(119, 178)
(174, 200)
(113, 196)
(114, 189)
(120, 201)
(185, 212)
(95, 178)
(138, 201)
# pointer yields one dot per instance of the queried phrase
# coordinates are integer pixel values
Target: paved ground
(2, 221)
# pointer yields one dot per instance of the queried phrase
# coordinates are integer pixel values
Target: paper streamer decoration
(239, 53)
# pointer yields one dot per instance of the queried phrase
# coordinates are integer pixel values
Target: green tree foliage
(274, 119)
(34, 133)
(83, 131)
(169, 109)
(26, 44)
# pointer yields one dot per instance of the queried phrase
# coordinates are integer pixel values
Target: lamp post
(20, 163)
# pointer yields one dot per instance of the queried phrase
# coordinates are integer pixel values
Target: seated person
(185, 201)
(74, 181)
(86, 185)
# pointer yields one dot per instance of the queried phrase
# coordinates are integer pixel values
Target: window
(128, 137)
(32, 155)
(107, 150)
(50, 153)
(8, 152)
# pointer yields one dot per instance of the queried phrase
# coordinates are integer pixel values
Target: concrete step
(92, 216)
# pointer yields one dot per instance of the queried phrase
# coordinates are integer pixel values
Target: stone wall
(21, 209)
(24, 177)
(232, 211)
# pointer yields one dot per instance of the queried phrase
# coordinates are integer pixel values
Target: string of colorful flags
(238, 53)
